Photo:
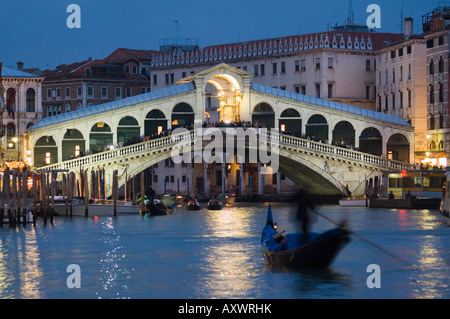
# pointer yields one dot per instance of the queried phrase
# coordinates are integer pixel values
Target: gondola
(215, 204)
(293, 253)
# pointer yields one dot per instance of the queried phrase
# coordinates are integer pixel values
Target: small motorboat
(215, 204)
(290, 251)
(154, 206)
(193, 205)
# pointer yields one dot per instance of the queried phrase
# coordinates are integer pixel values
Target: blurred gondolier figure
(304, 202)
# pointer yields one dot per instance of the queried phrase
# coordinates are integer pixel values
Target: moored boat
(355, 201)
(96, 207)
(445, 202)
(291, 251)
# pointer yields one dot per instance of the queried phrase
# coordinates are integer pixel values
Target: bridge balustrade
(189, 137)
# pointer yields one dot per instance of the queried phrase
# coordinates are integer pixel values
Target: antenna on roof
(177, 27)
(350, 12)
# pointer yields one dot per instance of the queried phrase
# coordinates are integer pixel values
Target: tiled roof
(329, 104)
(122, 55)
(13, 73)
(361, 41)
(110, 106)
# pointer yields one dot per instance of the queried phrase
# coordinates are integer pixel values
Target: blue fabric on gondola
(271, 244)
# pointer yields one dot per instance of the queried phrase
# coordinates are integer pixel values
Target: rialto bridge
(355, 143)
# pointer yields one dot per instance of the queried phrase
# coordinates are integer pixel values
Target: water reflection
(229, 264)
(113, 271)
(431, 277)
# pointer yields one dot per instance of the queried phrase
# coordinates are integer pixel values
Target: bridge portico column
(205, 178)
(260, 180)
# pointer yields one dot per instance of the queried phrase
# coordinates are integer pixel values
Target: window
(128, 91)
(58, 93)
(79, 91)
(400, 52)
(432, 124)
(317, 63)
(155, 79)
(167, 78)
(441, 40)
(408, 49)
(104, 92)
(274, 68)
(393, 101)
(430, 43)
(367, 64)
(263, 69)
(393, 54)
(255, 70)
(386, 103)
(401, 100)
(297, 65)
(303, 89)
(330, 90)
(172, 78)
(409, 98)
(134, 69)
(441, 121)
(386, 77)
(88, 71)
(409, 71)
(90, 91)
(330, 63)
(431, 94)
(145, 90)
(297, 89)
(441, 65)
(30, 100)
(79, 106)
(318, 90)
(431, 71)
(127, 69)
(283, 67)
(367, 92)
(49, 94)
(183, 74)
(303, 65)
(393, 75)
(401, 73)
(441, 93)
(67, 93)
(118, 93)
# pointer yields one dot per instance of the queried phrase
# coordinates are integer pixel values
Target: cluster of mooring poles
(25, 196)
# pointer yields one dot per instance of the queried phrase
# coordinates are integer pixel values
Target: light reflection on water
(216, 254)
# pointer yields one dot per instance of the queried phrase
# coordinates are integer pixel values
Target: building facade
(401, 85)
(92, 82)
(436, 26)
(21, 101)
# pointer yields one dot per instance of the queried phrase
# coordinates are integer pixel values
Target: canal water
(216, 254)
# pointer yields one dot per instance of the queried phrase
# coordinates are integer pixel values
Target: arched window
(431, 66)
(31, 100)
(67, 108)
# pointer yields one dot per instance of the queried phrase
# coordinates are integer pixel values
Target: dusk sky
(35, 32)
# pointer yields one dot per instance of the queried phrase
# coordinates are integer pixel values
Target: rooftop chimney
(20, 66)
(409, 23)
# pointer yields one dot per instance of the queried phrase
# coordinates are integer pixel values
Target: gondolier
(304, 202)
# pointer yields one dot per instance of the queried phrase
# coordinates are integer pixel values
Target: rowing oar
(274, 236)
(363, 238)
